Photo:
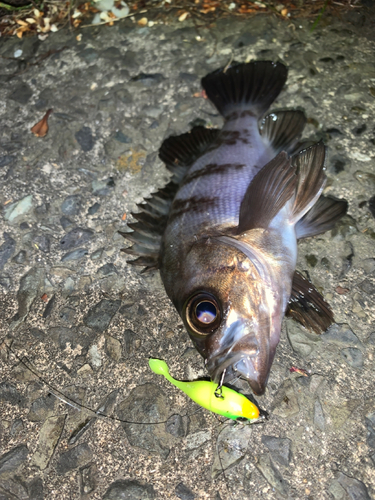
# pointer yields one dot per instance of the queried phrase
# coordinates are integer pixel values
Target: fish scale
(226, 169)
(239, 200)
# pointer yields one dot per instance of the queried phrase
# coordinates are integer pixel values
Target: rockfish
(224, 230)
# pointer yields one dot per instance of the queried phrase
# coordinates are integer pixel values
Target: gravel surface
(79, 323)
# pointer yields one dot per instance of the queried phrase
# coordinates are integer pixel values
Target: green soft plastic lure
(230, 404)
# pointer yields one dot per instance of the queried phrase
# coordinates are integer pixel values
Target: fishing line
(24, 360)
(77, 433)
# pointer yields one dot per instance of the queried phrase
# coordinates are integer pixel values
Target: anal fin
(307, 306)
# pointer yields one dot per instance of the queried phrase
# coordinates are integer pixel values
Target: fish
(227, 402)
(223, 232)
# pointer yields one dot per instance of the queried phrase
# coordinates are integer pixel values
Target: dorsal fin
(282, 129)
(149, 228)
(251, 86)
(178, 152)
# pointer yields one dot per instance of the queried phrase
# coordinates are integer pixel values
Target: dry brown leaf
(183, 16)
(341, 291)
(40, 129)
(202, 93)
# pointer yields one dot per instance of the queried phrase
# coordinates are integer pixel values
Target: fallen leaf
(183, 16)
(76, 14)
(40, 129)
(301, 371)
(44, 297)
(202, 93)
(124, 216)
(340, 290)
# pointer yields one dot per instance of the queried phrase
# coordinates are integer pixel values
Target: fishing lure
(228, 403)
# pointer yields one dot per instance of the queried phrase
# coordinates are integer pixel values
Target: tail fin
(252, 86)
(158, 366)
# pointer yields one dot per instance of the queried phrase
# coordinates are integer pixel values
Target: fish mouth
(240, 365)
(242, 349)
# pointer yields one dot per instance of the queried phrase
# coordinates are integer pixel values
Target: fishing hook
(219, 388)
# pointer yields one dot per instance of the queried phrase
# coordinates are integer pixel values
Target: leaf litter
(41, 17)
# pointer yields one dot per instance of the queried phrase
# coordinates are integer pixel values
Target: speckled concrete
(79, 323)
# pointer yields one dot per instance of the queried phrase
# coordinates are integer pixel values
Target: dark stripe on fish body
(211, 169)
(231, 137)
(194, 204)
(235, 115)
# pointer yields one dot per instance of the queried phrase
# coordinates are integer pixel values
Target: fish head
(232, 306)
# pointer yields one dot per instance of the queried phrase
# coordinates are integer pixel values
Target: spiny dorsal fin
(311, 179)
(252, 86)
(267, 193)
(282, 129)
(307, 306)
(178, 152)
(321, 217)
(149, 228)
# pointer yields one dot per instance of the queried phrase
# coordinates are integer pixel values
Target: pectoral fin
(267, 193)
(307, 306)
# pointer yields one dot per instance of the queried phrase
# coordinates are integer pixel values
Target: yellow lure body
(231, 404)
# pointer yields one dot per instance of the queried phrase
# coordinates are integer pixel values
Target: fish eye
(206, 312)
(203, 313)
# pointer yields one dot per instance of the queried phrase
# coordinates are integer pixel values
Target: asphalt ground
(79, 323)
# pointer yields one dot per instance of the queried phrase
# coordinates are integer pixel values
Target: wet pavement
(79, 323)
